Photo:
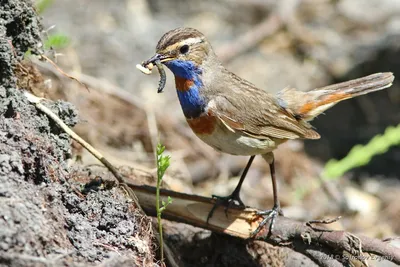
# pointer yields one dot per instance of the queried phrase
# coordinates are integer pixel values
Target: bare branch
(325, 247)
(63, 72)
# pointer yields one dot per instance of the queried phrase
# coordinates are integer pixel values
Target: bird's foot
(268, 215)
(228, 202)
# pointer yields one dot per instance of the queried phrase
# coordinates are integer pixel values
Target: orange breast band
(183, 84)
(203, 125)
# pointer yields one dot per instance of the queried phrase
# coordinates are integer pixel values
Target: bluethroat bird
(233, 116)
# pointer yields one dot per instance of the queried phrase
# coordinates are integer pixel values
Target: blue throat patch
(192, 103)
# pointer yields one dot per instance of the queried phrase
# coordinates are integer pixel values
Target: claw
(269, 215)
(228, 202)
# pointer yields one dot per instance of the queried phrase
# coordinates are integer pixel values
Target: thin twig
(63, 72)
(111, 89)
(326, 221)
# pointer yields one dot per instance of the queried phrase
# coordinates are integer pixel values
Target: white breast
(236, 143)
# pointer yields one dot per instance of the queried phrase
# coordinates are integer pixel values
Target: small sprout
(162, 166)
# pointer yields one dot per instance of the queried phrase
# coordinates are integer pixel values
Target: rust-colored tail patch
(328, 99)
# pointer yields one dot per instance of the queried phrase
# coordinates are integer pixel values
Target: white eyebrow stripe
(193, 40)
(188, 41)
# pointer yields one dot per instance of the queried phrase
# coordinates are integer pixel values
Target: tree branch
(325, 247)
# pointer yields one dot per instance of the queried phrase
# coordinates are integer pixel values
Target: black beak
(153, 59)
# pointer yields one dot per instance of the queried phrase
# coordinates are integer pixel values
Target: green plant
(42, 5)
(361, 155)
(56, 41)
(162, 166)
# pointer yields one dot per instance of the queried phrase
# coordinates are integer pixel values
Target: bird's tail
(308, 105)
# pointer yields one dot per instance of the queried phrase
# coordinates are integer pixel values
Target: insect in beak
(147, 66)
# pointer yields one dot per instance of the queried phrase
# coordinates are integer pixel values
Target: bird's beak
(162, 58)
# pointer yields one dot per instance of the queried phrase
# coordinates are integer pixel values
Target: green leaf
(56, 41)
(169, 200)
(160, 149)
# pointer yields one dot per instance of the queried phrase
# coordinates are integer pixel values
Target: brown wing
(256, 113)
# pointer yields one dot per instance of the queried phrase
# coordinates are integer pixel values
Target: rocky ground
(46, 219)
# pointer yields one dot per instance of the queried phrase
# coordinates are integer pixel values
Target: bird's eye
(184, 49)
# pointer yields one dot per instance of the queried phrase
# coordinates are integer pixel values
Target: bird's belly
(211, 131)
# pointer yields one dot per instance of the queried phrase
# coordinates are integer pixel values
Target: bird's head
(183, 51)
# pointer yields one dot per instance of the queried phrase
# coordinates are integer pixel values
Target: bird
(235, 117)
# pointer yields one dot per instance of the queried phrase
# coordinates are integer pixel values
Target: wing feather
(269, 120)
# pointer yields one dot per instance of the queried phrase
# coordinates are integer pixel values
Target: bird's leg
(276, 210)
(234, 197)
